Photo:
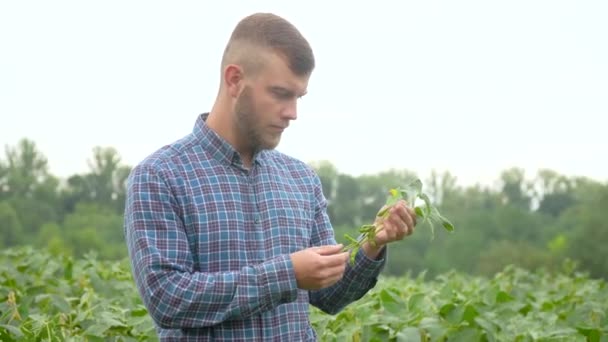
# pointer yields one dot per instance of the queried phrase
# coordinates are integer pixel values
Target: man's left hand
(399, 223)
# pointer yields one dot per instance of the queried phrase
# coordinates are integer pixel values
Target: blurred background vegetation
(540, 221)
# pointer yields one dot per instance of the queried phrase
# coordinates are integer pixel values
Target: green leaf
(562, 333)
(503, 297)
(351, 239)
(490, 295)
(466, 335)
(139, 312)
(68, 267)
(367, 228)
(446, 223)
(97, 330)
(488, 327)
(16, 332)
(592, 334)
(415, 302)
(39, 322)
(408, 334)
(109, 319)
(427, 203)
(60, 303)
(452, 313)
(469, 313)
(390, 302)
(419, 212)
(382, 212)
(434, 327)
(353, 255)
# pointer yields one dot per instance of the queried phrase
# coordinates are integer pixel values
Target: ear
(233, 78)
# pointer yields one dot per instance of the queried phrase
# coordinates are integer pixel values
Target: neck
(221, 121)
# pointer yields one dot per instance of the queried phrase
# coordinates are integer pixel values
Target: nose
(290, 111)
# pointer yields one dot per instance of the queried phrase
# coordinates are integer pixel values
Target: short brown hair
(268, 32)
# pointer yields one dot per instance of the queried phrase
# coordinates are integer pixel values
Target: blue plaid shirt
(209, 242)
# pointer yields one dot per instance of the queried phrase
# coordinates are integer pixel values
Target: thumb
(328, 249)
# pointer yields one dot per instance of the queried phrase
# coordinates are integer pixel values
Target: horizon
(490, 182)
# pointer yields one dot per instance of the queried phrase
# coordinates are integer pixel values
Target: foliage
(532, 221)
(514, 305)
(412, 191)
(59, 298)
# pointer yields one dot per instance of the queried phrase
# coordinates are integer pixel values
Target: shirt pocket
(291, 230)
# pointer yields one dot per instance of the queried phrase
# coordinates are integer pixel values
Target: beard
(250, 125)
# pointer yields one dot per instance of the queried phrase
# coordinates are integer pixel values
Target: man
(229, 239)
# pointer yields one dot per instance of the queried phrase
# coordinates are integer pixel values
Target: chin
(271, 144)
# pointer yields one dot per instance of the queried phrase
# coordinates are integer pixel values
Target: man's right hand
(319, 267)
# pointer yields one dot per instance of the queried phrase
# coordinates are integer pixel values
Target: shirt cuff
(280, 281)
(368, 267)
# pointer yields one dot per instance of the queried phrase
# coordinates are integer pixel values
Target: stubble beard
(248, 123)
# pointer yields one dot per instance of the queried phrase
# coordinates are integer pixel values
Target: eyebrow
(285, 91)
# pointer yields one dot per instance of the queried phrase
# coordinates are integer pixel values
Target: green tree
(105, 183)
(553, 192)
(328, 173)
(442, 187)
(94, 227)
(515, 189)
(11, 228)
(500, 254)
(346, 209)
(588, 232)
(28, 186)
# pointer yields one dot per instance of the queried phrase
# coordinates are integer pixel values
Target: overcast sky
(473, 87)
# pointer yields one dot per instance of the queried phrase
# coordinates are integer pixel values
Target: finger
(336, 260)
(407, 214)
(335, 273)
(388, 234)
(328, 249)
(403, 226)
(408, 217)
(400, 231)
(412, 214)
(408, 228)
(400, 220)
(327, 282)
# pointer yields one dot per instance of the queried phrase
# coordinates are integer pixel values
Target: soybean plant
(410, 193)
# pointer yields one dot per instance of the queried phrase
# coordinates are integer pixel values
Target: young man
(229, 239)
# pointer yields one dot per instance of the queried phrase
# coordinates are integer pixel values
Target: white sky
(473, 87)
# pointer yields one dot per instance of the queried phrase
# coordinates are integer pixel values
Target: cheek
(267, 107)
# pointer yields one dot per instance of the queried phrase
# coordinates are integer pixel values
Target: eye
(281, 93)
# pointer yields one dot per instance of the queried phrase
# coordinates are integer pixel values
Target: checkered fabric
(209, 242)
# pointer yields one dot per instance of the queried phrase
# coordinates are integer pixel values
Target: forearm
(176, 298)
(358, 279)
(371, 251)
(175, 294)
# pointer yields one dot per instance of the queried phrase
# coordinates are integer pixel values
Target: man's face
(268, 103)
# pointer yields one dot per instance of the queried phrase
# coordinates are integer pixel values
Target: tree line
(546, 221)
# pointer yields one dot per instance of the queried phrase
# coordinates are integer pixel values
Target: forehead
(277, 73)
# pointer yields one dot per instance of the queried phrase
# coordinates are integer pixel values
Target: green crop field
(49, 298)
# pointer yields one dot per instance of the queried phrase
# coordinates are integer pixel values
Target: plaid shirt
(209, 242)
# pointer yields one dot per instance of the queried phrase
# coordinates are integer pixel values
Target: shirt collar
(217, 146)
